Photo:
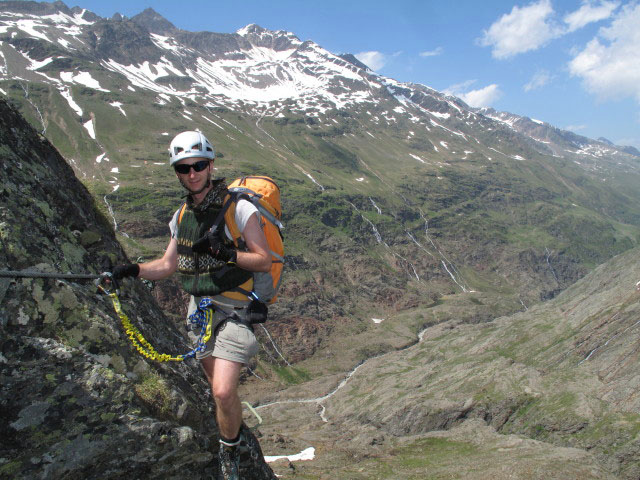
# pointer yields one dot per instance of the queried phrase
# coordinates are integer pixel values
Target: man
(209, 265)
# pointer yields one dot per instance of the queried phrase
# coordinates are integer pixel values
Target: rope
(137, 340)
(202, 317)
(28, 274)
(254, 411)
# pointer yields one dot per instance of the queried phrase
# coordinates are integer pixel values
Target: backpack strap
(230, 218)
(182, 209)
(222, 214)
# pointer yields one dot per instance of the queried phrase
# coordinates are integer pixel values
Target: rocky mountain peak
(122, 40)
(85, 14)
(261, 37)
(154, 22)
(349, 57)
(252, 28)
(34, 8)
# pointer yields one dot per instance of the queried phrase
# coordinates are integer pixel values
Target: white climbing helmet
(190, 144)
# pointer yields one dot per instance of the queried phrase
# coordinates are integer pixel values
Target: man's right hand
(126, 270)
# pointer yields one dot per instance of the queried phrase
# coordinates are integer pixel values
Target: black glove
(126, 270)
(212, 244)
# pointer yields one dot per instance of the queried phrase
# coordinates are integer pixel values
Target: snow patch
(118, 105)
(35, 65)
(89, 127)
(66, 93)
(377, 320)
(83, 78)
(166, 43)
(211, 121)
(29, 27)
(444, 116)
(306, 454)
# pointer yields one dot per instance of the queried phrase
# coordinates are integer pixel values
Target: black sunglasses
(185, 168)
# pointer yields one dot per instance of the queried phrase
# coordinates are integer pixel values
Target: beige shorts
(234, 342)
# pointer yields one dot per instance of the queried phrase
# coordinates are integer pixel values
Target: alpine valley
(459, 298)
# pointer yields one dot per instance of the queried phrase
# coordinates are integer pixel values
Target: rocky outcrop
(76, 400)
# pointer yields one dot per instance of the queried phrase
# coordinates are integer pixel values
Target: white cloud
(525, 28)
(609, 65)
(534, 25)
(539, 80)
(374, 60)
(456, 88)
(432, 53)
(588, 13)
(481, 97)
(575, 128)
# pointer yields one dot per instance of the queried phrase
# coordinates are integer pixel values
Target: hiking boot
(228, 461)
(250, 457)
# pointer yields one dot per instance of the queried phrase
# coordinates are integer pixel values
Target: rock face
(76, 400)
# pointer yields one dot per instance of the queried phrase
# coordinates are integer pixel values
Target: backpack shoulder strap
(222, 215)
(182, 209)
(230, 217)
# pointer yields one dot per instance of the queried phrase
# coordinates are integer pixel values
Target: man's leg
(225, 392)
(223, 377)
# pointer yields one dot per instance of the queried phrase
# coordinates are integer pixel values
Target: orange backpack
(265, 195)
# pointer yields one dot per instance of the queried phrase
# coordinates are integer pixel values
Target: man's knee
(225, 394)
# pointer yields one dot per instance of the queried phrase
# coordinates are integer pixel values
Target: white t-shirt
(244, 210)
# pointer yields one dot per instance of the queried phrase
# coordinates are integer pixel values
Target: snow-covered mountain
(257, 71)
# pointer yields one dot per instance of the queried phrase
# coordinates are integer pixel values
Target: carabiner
(105, 283)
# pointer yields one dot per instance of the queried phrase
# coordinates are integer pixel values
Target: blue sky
(572, 63)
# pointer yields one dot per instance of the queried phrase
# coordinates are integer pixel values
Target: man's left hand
(212, 244)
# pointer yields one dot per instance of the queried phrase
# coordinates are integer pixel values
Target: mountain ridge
(206, 42)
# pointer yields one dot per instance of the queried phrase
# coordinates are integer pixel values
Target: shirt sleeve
(173, 224)
(244, 210)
